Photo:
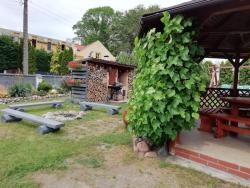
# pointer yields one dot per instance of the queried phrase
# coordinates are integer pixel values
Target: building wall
(41, 42)
(97, 83)
(95, 50)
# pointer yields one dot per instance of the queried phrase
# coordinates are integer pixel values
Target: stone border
(10, 100)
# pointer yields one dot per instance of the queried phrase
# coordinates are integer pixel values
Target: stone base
(45, 130)
(7, 118)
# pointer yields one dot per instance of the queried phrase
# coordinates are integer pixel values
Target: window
(97, 55)
(63, 47)
(33, 41)
(49, 46)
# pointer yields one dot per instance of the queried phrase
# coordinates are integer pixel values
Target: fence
(8, 80)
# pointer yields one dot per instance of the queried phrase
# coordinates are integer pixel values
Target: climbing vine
(166, 90)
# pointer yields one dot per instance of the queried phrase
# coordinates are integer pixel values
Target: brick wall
(225, 166)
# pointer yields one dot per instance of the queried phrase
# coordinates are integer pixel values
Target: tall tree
(9, 53)
(25, 37)
(95, 25)
(125, 28)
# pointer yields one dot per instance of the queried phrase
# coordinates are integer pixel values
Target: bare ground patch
(122, 169)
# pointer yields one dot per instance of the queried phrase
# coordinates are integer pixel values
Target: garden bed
(9, 100)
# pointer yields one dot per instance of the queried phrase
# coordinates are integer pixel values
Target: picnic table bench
(223, 120)
(46, 125)
(110, 108)
(55, 104)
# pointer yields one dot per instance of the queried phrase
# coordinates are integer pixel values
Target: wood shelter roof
(108, 63)
(224, 25)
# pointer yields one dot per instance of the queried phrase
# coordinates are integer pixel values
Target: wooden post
(236, 79)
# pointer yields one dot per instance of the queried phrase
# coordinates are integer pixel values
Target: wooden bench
(223, 124)
(55, 104)
(206, 121)
(46, 125)
(110, 108)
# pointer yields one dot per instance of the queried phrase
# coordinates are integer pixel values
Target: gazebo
(224, 33)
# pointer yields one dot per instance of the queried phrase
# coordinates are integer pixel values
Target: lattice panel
(211, 98)
(244, 92)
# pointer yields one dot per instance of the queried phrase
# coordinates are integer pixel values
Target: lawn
(92, 152)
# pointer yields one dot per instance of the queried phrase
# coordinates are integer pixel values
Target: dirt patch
(122, 169)
(94, 127)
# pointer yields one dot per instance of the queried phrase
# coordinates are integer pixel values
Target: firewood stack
(97, 90)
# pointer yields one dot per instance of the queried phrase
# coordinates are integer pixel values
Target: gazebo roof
(224, 25)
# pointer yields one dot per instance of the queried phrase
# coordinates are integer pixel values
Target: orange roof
(79, 47)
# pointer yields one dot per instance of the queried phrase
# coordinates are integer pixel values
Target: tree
(43, 59)
(59, 61)
(9, 53)
(125, 28)
(95, 25)
(32, 60)
(244, 75)
(126, 58)
(226, 74)
(55, 65)
(65, 57)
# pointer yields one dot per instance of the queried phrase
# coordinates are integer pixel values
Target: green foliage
(126, 58)
(116, 30)
(9, 53)
(65, 57)
(65, 87)
(226, 74)
(32, 60)
(125, 27)
(95, 25)
(20, 90)
(44, 86)
(59, 61)
(206, 68)
(244, 77)
(43, 59)
(166, 90)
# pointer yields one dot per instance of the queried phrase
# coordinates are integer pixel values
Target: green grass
(23, 151)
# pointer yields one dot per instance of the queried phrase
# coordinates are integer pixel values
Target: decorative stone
(142, 146)
(64, 116)
(135, 149)
(150, 154)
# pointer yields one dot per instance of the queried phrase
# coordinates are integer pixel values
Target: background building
(95, 50)
(39, 42)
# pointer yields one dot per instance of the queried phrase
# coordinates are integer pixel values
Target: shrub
(20, 90)
(44, 86)
(41, 93)
(166, 90)
(65, 87)
(3, 92)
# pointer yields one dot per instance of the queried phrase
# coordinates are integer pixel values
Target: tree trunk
(25, 38)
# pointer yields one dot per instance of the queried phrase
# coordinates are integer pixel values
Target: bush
(44, 86)
(3, 92)
(65, 87)
(166, 90)
(41, 93)
(20, 90)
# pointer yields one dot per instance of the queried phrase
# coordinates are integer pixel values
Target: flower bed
(74, 82)
(75, 65)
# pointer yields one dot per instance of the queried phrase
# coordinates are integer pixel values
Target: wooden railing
(211, 97)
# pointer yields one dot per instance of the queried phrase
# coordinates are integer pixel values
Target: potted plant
(74, 82)
(75, 65)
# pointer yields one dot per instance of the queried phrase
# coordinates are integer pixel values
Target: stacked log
(97, 90)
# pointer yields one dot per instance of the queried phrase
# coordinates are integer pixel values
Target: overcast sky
(55, 18)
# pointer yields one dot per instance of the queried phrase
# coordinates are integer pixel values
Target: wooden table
(236, 103)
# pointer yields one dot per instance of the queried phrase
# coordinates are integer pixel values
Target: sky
(55, 18)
